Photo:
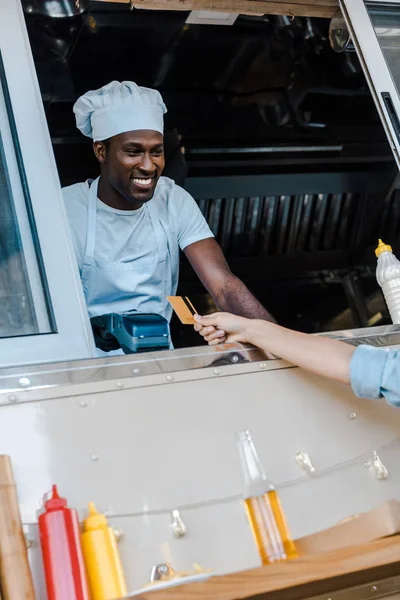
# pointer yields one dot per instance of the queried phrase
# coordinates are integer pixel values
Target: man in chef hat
(129, 224)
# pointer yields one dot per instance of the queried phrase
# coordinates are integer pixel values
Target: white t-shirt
(125, 236)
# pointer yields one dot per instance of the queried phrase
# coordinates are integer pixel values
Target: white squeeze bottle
(388, 277)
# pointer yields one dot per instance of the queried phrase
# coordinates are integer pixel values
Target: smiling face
(131, 165)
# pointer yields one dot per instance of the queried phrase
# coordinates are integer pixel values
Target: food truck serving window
(25, 307)
(386, 23)
(375, 30)
(43, 315)
(42, 312)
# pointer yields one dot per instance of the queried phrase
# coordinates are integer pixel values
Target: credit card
(183, 308)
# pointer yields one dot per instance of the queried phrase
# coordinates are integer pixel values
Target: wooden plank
(301, 8)
(301, 578)
(15, 574)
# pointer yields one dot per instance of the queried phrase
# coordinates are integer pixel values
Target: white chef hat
(119, 107)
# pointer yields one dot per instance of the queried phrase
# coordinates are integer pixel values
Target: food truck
(285, 128)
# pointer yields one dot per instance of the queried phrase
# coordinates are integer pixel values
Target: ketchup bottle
(62, 552)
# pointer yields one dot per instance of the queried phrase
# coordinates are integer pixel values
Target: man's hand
(219, 328)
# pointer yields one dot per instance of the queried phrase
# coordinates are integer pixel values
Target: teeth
(142, 181)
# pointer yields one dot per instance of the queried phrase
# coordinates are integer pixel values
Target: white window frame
(73, 338)
(374, 64)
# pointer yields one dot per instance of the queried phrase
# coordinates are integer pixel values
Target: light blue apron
(116, 286)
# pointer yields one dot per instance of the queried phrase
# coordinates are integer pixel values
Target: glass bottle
(263, 507)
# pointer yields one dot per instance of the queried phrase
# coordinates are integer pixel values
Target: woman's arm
(323, 356)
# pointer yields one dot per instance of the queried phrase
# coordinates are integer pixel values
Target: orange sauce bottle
(103, 563)
(263, 507)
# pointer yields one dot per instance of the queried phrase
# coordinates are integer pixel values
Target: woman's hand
(219, 328)
(210, 333)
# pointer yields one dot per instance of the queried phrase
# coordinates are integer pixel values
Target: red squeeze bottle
(60, 539)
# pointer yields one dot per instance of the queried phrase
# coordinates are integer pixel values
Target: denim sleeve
(375, 373)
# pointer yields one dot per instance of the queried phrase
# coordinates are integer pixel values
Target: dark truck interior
(274, 133)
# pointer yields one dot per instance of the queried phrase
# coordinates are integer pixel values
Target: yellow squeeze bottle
(100, 552)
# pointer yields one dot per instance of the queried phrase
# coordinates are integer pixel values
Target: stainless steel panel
(25, 382)
(22, 384)
(167, 441)
(171, 445)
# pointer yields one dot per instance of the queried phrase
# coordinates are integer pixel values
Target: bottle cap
(382, 248)
(95, 519)
(55, 502)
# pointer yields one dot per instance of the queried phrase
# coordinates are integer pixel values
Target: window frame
(375, 67)
(33, 154)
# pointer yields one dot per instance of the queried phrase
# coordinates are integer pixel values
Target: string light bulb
(379, 469)
(177, 525)
(304, 461)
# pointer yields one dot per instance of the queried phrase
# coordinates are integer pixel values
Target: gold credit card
(183, 308)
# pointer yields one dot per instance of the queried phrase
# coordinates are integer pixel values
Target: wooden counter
(301, 578)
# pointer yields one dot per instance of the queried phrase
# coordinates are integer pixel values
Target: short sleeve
(375, 373)
(192, 226)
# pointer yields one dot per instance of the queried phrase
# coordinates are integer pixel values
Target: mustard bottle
(100, 552)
